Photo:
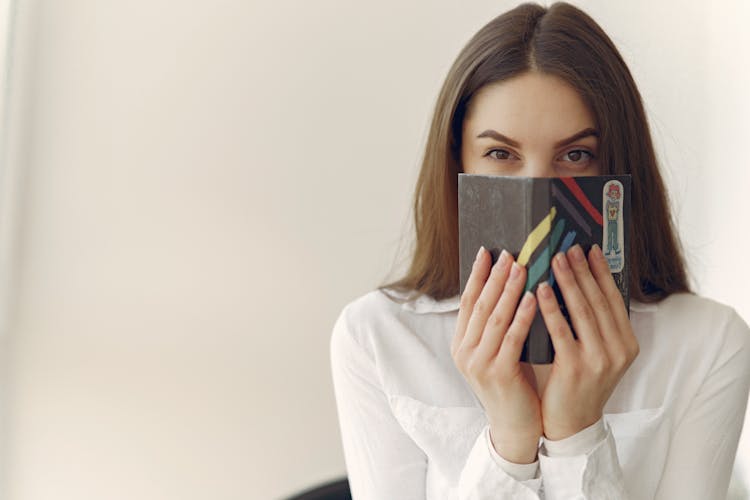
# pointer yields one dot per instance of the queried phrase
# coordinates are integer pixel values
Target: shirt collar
(424, 304)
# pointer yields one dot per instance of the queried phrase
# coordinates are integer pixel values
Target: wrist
(557, 433)
(580, 443)
(517, 450)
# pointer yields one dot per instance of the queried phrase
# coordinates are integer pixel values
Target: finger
(579, 310)
(513, 340)
(603, 275)
(479, 272)
(557, 326)
(487, 300)
(599, 304)
(501, 317)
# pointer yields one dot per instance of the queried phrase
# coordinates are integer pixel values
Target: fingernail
(479, 253)
(515, 270)
(577, 253)
(545, 290)
(503, 259)
(527, 300)
(597, 252)
(562, 261)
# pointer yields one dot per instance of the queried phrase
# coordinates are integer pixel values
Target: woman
(432, 399)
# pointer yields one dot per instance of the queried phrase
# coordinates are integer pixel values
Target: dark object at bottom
(335, 490)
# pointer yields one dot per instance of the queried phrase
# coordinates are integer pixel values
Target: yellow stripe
(536, 237)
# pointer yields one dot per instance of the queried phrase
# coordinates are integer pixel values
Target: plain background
(192, 191)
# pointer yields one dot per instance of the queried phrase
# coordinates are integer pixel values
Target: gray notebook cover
(534, 218)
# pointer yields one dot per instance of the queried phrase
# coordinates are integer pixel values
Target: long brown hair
(565, 42)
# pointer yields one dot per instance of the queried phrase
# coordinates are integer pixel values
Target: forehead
(531, 105)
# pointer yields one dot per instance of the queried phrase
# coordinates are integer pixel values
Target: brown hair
(565, 42)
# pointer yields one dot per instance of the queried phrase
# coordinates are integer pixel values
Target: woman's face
(532, 125)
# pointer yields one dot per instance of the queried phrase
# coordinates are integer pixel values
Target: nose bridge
(539, 166)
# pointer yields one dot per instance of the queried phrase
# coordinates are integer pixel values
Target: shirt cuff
(519, 472)
(481, 478)
(580, 443)
(593, 474)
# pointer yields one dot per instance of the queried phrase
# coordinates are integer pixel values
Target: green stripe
(541, 264)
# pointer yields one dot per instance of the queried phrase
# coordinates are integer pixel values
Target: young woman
(433, 401)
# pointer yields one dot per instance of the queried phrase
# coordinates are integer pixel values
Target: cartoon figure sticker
(612, 237)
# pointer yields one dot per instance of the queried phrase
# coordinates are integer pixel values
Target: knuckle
(599, 303)
(513, 338)
(519, 281)
(635, 347)
(583, 311)
(475, 369)
(496, 272)
(614, 296)
(575, 371)
(463, 355)
(548, 306)
(497, 319)
(459, 358)
(632, 349)
(620, 361)
(466, 301)
(579, 267)
(480, 306)
(635, 350)
(558, 329)
(599, 366)
(495, 371)
(456, 352)
(523, 317)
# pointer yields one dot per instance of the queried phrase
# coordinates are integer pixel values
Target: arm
(585, 372)
(486, 348)
(584, 465)
(704, 444)
(382, 461)
(486, 475)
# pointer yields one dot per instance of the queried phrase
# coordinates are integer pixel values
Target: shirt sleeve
(486, 475)
(382, 460)
(582, 466)
(703, 447)
(519, 472)
(580, 443)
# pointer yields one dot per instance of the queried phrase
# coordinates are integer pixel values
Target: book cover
(534, 218)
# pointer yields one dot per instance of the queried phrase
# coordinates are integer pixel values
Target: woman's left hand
(585, 371)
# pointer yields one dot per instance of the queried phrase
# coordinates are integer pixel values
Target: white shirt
(413, 429)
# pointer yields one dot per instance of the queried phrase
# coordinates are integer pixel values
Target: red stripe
(576, 190)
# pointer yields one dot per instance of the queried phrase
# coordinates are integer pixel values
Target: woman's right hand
(490, 333)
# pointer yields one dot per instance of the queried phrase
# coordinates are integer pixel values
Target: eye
(578, 155)
(499, 154)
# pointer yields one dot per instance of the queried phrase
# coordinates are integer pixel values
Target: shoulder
(685, 339)
(693, 305)
(360, 318)
(700, 325)
(371, 305)
(686, 309)
(366, 312)
(387, 317)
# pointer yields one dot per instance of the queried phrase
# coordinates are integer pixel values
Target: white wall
(195, 189)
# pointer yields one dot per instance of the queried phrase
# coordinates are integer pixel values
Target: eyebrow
(494, 134)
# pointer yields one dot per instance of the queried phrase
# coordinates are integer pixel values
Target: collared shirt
(413, 429)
